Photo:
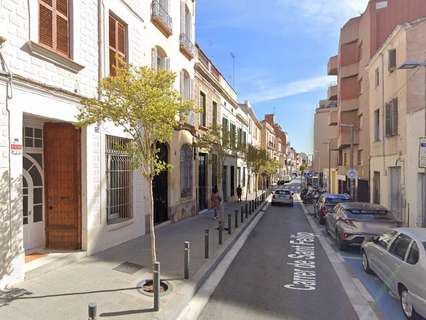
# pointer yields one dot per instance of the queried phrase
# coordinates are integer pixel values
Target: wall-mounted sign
(422, 152)
(16, 148)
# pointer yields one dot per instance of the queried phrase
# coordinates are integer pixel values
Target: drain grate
(128, 267)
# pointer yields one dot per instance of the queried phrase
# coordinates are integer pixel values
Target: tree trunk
(151, 224)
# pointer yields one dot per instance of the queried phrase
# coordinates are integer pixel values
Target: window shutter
(62, 7)
(191, 89)
(121, 39)
(182, 17)
(167, 63)
(154, 58)
(62, 40)
(182, 84)
(395, 117)
(388, 119)
(46, 26)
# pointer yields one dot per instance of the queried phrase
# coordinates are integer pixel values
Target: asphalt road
(254, 287)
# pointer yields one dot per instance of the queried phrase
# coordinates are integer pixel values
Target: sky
(281, 50)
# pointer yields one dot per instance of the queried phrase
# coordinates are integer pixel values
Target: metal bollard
(220, 231)
(242, 215)
(92, 311)
(206, 243)
(186, 261)
(229, 224)
(246, 210)
(236, 218)
(156, 285)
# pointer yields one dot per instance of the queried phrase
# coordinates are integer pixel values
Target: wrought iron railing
(162, 15)
(186, 44)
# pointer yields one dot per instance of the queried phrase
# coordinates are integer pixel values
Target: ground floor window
(119, 180)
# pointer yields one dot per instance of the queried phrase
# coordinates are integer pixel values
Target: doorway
(395, 192)
(232, 181)
(202, 182)
(160, 188)
(225, 183)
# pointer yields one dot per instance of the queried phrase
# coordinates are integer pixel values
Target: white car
(398, 258)
(282, 196)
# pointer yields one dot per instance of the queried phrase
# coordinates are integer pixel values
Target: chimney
(270, 118)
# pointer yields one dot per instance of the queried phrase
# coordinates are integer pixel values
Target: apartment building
(325, 135)
(396, 113)
(60, 189)
(360, 39)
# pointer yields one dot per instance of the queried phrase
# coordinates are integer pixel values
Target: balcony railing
(186, 45)
(161, 18)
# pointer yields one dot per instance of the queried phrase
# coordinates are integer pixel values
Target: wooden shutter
(392, 60)
(395, 117)
(54, 27)
(182, 84)
(388, 119)
(117, 43)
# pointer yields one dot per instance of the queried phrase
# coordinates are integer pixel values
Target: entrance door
(202, 182)
(160, 188)
(232, 181)
(225, 183)
(63, 181)
(395, 192)
(32, 195)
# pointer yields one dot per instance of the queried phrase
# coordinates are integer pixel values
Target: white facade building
(59, 187)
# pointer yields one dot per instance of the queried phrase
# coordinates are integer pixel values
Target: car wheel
(365, 263)
(407, 307)
(340, 244)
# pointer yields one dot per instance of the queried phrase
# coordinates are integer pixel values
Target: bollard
(242, 215)
(186, 261)
(229, 224)
(156, 285)
(92, 311)
(236, 218)
(206, 243)
(220, 231)
(246, 210)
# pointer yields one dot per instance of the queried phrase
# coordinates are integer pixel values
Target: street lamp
(410, 65)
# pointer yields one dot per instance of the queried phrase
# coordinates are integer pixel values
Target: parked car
(327, 202)
(287, 179)
(398, 258)
(350, 223)
(282, 196)
(280, 182)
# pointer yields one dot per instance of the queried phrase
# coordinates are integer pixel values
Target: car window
(413, 256)
(285, 192)
(386, 238)
(370, 214)
(400, 245)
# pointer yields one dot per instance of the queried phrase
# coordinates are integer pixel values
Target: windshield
(336, 200)
(285, 192)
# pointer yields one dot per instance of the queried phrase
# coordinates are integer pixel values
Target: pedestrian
(239, 193)
(216, 201)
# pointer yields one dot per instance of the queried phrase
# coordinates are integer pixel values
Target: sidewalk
(65, 293)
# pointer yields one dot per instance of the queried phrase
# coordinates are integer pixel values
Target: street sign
(352, 174)
(422, 153)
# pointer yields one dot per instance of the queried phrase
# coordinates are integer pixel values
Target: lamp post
(410, 65)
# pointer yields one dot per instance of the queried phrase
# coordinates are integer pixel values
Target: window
(119, 180)
(392, 60)
(386, 238)
(225, 131)
(54, 25)
(400, 245)
(244, 177)
(159, 59)
(203, 115)
(185, 171)
(185, 85)
(240, 137)
(345, 159)
(233, 135)
(413, 256)
(214, 114)
(376, 187)
(214, 170)
(377, 125)
(117, 43)
(238, 176)
(377, 77)
(33, 137)
(359, 157)
(391, 113)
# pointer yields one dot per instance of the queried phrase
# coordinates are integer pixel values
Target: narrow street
(280, 280)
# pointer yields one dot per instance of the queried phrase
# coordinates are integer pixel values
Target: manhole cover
(146, 287)
(128, 267)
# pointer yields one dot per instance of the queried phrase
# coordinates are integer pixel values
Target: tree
(217, 141)
(256, 160)
(144, 104)
(303, 167)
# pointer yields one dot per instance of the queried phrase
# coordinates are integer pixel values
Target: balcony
(161, 18)
(186, 46)
(332, 66)
(332, 91)
(333, 117)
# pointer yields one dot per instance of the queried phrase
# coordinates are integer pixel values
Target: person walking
(239, 193)
(216, 201)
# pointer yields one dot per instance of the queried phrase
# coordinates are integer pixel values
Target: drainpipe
(383, 123)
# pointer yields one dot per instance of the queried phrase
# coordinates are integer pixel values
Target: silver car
(282, 196)
(398, 258)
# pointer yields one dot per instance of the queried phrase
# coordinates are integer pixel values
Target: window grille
(119, 180)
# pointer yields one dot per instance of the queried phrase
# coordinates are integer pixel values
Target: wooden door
(160, 189)
(62, 180)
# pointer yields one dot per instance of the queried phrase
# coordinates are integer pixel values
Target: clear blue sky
(282, 48)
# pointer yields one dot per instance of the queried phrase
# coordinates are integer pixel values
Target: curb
(188, 290)
(361, 301)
